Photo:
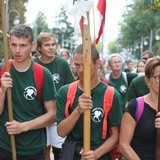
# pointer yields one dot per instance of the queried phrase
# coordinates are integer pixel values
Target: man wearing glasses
(120, 80)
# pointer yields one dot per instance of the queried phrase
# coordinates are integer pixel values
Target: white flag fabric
(79, 9)
(97, 10)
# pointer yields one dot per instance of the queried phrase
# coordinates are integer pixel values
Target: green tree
(64, 30)
(139, 19)
(14, 6)
(40, 25)
(114, 47)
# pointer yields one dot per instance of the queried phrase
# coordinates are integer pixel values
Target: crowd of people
(48, 112)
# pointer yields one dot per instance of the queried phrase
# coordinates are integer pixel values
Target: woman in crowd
(141, 66)
(138, 138)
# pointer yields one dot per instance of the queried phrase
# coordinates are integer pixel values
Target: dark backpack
(107, 104)
(38, 72)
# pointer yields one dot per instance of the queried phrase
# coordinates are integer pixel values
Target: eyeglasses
(115, 63)
(145, 58)
(157, 78)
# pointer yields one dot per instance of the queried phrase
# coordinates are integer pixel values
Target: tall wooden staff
(9, 95)
(157, 153)
(86, 40)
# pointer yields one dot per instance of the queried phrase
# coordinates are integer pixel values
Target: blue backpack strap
(139, 108)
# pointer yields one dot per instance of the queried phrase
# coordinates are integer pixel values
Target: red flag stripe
(102, 9)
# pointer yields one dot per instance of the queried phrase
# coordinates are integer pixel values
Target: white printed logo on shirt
(30, 93)
(97, 114)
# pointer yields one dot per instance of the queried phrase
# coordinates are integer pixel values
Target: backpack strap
(70, 96)
(107, 104)
(38, 71)
(3, 68)
(125, 77)
(139, 108)
(105, 80)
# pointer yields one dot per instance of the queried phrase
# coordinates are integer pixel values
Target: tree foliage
(138, 21)
(63, 30)
(40, 25)
(14, 6)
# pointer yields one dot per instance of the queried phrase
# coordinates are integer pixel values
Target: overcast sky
(51, 7)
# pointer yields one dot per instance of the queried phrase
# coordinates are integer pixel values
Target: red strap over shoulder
(70, 96)
(105, 80)
(38, 77)
(107, 104)
(3, 68)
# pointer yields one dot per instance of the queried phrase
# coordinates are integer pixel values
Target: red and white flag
(99, 19)
(97, 9)
(78, 9)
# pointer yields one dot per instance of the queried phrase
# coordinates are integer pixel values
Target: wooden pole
(86, 40)
(157, 153)
(9, 94)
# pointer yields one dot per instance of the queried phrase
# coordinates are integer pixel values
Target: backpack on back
(124, 74)
(107, 104)
(38, 72)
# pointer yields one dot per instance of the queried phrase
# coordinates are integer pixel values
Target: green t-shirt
(60, 71)
(26, 106)
(137, 88)
(114, 118)
(121, 86)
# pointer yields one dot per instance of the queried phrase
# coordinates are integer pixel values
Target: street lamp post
(150, 39)
(16, 19)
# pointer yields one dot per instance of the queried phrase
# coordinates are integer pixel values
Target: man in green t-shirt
(61, 75)
(138, 86)
(72, 126)
(120, 80)
(31, 113)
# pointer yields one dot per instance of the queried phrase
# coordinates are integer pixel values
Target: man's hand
(89, 155)
(6, 81)
(15, 127)
(84, 103)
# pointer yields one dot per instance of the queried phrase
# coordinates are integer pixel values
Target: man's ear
(34, 45)
(98, 63)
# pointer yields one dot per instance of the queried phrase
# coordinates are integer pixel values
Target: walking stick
(86, 40)
(157, 153)
(9, 95)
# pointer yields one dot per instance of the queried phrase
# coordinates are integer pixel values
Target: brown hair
(45, 36)
(148, 52)
(94, 52)
(150, 66)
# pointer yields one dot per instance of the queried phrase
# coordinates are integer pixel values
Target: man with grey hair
(118, 78)
(28, 106)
